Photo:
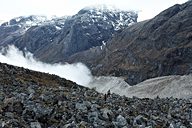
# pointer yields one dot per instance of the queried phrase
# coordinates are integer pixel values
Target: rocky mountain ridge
(38, 100)
(157, 47)
(58, 38)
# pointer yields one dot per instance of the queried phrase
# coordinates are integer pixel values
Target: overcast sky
(15, 8)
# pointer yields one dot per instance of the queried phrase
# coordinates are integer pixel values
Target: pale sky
(14, 8)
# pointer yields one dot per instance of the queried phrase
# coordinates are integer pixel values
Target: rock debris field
(31, 99)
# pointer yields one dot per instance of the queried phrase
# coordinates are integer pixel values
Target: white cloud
(77, 72)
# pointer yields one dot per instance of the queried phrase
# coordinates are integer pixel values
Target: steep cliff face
(157, 47)
(53, 40)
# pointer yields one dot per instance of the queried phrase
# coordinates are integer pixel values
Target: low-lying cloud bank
(167, 86)
(77, 72)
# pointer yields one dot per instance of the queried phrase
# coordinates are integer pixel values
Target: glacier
(167, 86)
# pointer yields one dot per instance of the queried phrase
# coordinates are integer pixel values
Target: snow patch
(101, 47)
(58, 28)
(104, 43)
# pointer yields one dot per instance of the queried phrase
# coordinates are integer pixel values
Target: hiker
(105, 97)
(108, 93)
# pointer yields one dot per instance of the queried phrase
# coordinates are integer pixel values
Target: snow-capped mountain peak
(101, 8)
(21, 24)
(34, 20)
(115, 17)
(26, 20)
(87, 29)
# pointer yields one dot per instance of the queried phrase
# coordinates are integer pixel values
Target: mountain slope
(56, 39)
(34, 99)
(157, 47)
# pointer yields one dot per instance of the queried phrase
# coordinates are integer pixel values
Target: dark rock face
(39, 100)
(157, 47)
(57, 39)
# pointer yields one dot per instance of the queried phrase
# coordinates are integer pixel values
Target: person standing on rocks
(105, 97)
(108, 93)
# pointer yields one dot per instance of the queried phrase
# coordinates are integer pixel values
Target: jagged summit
(101, 7)
(26, 21)
(33, 20)
(100, 11)
(118, 18)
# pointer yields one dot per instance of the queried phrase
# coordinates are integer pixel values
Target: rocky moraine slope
(39, 100)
